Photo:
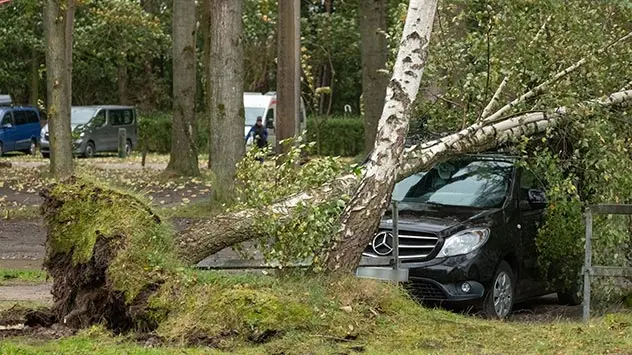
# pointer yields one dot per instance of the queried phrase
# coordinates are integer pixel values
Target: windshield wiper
(432, 203)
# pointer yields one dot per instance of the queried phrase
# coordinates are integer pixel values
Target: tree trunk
(183, 158)
(288, 70)
(227, 145)
(373, 16)
(58, 22)
(35, 80)
(206, 237)
(205, 27)
(362, 214)
(122, 82)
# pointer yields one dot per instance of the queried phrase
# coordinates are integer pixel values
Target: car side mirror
(536, 199)
(270, 122)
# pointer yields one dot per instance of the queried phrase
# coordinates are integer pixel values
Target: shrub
(154, 130)
(336, 136)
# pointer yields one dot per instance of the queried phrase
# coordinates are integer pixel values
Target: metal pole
(396, 234)
(587, 264)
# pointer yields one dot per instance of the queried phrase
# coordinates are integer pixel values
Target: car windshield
(82, 115)
(463, 182)
(252, 113)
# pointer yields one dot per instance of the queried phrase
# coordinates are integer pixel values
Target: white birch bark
(362, 214)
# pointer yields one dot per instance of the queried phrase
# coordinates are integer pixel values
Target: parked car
(95, 129)
(257, 104)
(467, 232)
(19, 127)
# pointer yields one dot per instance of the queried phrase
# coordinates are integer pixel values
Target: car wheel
(89, 151)
(32, 148)
(128, 148)
(1, 149)
(500, 297)
(45, 155)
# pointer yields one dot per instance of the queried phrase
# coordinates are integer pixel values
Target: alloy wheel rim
(502, 294)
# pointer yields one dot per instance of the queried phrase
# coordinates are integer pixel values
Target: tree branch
(483, 135)
(502, 85)
(540, 88)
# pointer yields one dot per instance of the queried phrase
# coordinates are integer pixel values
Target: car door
(8, 132)
(22, 132)
(531, 217)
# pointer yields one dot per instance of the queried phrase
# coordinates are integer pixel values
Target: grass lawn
(8, 276)
(318, 315)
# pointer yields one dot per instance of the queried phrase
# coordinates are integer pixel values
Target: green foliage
(336, 136)
(154, 131)
(8, 276)
(89, 211)
(304, 234)
(581, 169)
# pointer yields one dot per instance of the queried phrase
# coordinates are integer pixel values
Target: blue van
(19, 129)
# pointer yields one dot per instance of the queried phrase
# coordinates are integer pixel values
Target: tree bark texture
(183, 157)
(373, 16)
(288, 70)
(362, 214)
(58, 23)
(208, 236)
(227, 145)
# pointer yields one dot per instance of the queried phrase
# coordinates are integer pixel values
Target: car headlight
(463, 242)
(82, 134)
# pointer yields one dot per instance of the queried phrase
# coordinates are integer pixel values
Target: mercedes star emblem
(383, 243)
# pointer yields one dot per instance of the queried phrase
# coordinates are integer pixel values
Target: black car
(467, 233)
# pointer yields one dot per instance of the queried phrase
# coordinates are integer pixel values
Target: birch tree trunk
(373, 15)
(58, 23)
(183, 157)
(362, 214)
(227, 144)
(207, 237)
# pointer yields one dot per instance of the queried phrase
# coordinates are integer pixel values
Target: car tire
(499, 300)
(32, 148)
(89, 151)
(128, 148)
(1, 149)
(45, 155)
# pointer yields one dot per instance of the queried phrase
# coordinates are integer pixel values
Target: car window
(7, 119)
(99, 119)
(121, 117)
(462, 182)
(31, 116)
(269, 121)
(19, 117)
(529, 180)
(252, 113)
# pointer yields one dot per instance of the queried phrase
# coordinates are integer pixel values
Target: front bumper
(77, 146)
(442, 279)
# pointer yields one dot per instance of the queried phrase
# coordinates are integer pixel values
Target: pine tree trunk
(58, 22)
(227, 142)
(362, 215)
(373, 15)
(183, 157)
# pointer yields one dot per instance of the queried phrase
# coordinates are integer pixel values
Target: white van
(264, 105)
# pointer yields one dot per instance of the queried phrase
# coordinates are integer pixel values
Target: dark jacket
(260, 135)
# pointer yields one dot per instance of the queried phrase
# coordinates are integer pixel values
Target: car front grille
(413, 246)
(425, 290)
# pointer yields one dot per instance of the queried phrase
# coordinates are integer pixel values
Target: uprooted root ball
(107, 252)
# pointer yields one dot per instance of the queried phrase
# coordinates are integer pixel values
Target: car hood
(440, 220)
(72, 127)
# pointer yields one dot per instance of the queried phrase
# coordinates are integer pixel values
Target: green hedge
(155, 131)
(338, 136)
